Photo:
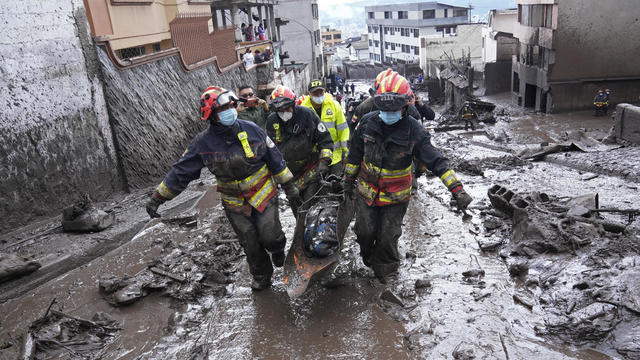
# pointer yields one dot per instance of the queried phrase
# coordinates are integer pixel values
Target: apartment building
(139, 27)
(568, 49)
(498, 46)
(394, 30)
(330, 37)
(300, 31)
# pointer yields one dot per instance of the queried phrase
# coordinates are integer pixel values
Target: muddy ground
(468, 288)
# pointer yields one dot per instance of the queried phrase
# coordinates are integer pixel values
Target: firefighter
(601, 102)
(468, 115)
(303, 140)
(378, 174)
(331, 115)
(245, 163)
(369, 105)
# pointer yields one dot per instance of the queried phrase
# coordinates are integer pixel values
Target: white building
(498, 42)
(436, 51)
(300, 31)
(394, 30)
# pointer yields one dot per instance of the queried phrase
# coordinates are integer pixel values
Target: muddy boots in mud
(260, 283)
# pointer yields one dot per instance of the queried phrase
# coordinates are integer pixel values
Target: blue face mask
(228, 117)
(390, 117)
(318, 99)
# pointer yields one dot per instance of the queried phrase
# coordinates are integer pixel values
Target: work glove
(461, 199)
(323, 168)
(348, 188)
(152, 206)
(293, 195)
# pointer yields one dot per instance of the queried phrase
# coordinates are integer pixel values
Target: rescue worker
(379, 170)
(608, 93)
(601, 103)
(468, 115)
(303, 140)
(369, 105)
(245, 163)
(423, 109)
(252, 108)
(331, 115)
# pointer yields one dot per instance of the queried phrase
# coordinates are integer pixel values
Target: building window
(392, 31)
(459, 13)
(386, 30)
(416, 33)
(393, 46)
(314, 10)
(416, 50)
(155, 47)
(448, 30)
(337, 36)
(375, 29)
(376, 43)
(387, 14)
(370, 42)
(403, 14)
(371, 15)
(131, 52)
(446, 12)
(428, 14)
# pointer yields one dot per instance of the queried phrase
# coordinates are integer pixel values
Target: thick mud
(466, 289)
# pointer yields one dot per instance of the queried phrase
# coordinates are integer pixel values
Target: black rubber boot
(259, 284)
(278, 259)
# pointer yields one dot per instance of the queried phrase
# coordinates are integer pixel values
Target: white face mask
(285, 115)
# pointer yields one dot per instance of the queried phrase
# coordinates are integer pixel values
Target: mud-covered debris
(14, 266)
(473, 273)
(490, 244)
(589, 324)
(188, 218)
(109, 284)
(463, 351)
(477, 296)
(84, 216)
(525, 299)
(518, 268)
(388, 295)
(492, 223)
(60, 335)
(422, 284)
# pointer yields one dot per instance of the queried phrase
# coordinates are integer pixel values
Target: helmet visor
(390, 101)
(226, 98)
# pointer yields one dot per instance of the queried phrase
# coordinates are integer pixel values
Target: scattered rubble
(83, 216)
(60, 335)
(14, 266)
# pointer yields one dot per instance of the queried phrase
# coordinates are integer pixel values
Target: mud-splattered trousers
(303, 141)
(380, 164)
(247, 166)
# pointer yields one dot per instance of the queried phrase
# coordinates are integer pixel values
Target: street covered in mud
(531, 272)
(306, 179)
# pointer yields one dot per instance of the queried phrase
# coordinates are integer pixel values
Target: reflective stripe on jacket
(333, 119)
(380, 158)
(242, 158)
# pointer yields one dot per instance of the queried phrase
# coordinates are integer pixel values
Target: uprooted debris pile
(184, 271)
(84, 216)
(583, 269)
(59, 335)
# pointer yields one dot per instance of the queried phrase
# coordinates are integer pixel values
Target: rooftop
(428, 5)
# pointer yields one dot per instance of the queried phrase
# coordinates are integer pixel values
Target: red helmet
(213, 98)
(282, 97)
(393, 93)
(383, 74)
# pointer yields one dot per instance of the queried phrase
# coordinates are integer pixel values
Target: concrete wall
(579, 96)
(469, 38)
(602, 38)
(56, 137)
(296, 79)
(154, 110)
(628, 123)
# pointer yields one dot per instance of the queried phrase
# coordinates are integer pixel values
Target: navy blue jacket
(219, 149)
